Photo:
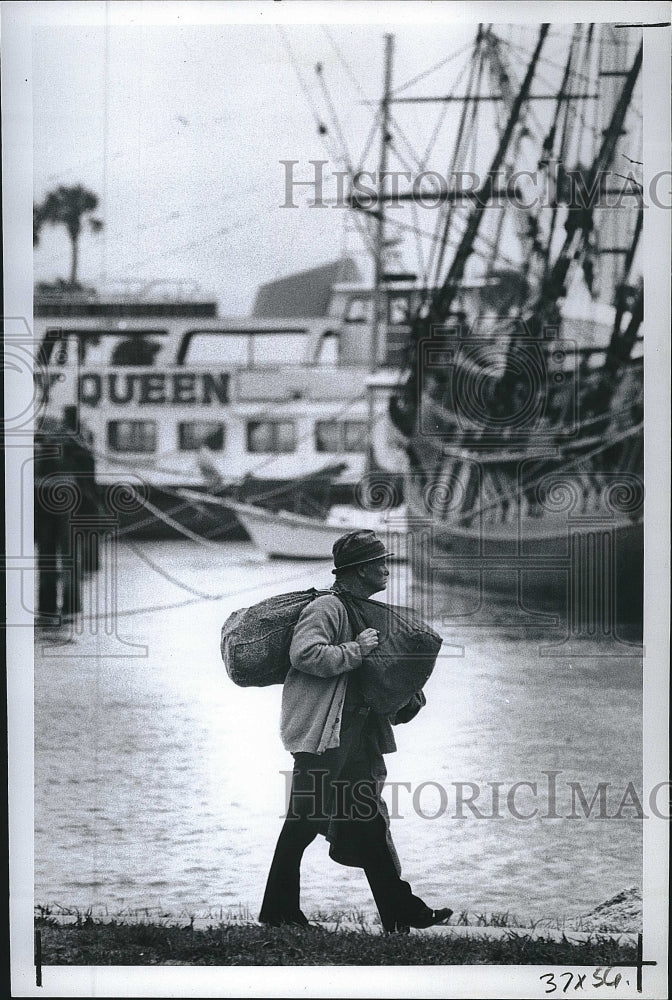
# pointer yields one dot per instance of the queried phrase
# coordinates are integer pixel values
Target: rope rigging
(465, 131)
(344, 63)
(432, 69)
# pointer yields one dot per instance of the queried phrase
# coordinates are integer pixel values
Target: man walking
(338, 743)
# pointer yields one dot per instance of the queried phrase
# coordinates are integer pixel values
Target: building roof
(305, 293)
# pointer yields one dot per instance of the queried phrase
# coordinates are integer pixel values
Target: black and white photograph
(337, 426)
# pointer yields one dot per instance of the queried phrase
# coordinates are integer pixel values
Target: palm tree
(69, 207)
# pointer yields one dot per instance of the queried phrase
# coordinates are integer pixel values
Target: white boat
(284, 535)
(169, 396)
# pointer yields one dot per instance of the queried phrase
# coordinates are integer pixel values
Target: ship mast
(402, 409)
(379, 305)
(443, 298)
(378, 296)
(578, 227)
(580, 219)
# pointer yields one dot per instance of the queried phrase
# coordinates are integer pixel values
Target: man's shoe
(432, 918)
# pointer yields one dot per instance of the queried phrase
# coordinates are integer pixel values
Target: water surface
(158, 782)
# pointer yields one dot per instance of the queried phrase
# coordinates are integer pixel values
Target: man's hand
(368, 640)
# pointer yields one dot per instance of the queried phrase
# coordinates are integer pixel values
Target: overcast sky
(180, 131)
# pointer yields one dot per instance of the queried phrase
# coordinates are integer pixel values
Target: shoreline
(621, 914)
(488, 924)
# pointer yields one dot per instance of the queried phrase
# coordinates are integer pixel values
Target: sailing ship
(521, 398)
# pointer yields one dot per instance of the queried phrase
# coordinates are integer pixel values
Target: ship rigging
(522, 369)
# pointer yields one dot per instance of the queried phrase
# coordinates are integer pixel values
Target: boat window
(100, 347)
(358, 310)
(278, 348)
(271, 436)
(327, 436)
(196, 434)
(396, 346)
(355, 435)
(135, 350)
(399, 308)
(340, 436)
(216, 348)
(244, 348)
(327, 351)
(131, 435)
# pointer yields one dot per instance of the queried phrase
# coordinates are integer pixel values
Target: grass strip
(93, 942)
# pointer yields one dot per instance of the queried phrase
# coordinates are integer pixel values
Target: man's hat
(357, 547)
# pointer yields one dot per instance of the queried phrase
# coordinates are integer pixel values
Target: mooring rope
(172, 523)
(193, 600)
(168, 576)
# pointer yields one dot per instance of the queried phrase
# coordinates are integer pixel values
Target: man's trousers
(334, 793)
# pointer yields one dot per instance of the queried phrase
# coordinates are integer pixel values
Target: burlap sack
(255, 641)
(403, 661)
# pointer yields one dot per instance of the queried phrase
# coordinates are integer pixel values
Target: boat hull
(282, 535)
(286, 536)
(550, 519)
(587, 577)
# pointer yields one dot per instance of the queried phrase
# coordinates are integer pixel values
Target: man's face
(374, 575)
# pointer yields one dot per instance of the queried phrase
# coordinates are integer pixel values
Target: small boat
(285, 535)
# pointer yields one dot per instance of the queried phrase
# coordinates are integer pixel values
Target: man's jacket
(323, 653)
